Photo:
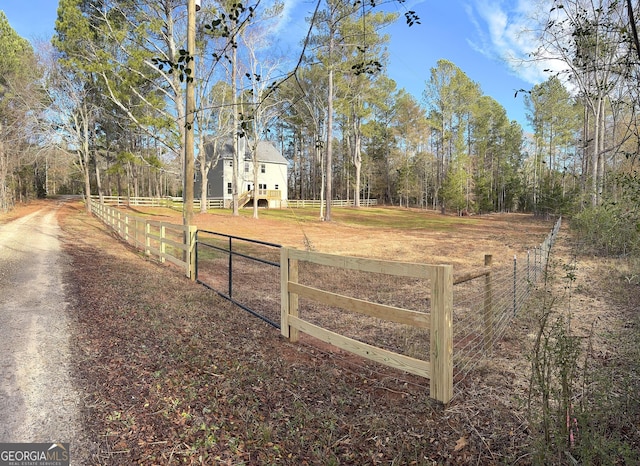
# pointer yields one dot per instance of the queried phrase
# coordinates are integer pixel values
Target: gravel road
(38, 401)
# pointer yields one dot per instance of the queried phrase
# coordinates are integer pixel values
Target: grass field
(410, 235)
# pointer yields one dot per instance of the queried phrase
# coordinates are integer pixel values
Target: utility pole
(189, 143)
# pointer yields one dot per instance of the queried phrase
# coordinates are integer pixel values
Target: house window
(277, 187)
(246, 167)
(262, 186)
(231, 163)
(263, 168)
(229, 188)
(209, 190)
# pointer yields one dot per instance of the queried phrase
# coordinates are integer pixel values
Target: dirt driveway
(38, 402)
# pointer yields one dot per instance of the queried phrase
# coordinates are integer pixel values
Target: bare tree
(73, 115)
(586, 38)
(261, 104)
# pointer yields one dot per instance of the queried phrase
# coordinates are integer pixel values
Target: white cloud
(287, 12)
(506, 30)
(289, 19)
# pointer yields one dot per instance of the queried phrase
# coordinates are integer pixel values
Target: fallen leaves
(461, 443)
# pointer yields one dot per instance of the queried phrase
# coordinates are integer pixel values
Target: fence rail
(232, 266)
(301, 203)
(160, 240)
(176, 202)
(133, 201)
(439, 368)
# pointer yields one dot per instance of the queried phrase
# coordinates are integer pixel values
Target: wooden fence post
(294, 334)
(191, 251)
(285, 297)
(488, 306)
(163, 245)
(147, 238)
(284, 292)
(441, 344)
(288, 301)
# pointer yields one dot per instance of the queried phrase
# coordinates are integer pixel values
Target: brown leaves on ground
(461, 443)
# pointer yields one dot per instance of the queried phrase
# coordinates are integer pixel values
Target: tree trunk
(329, 158)
(99, 182)
(254, 157)
(236, 162)
(87, 183)
(85, 158)
(357, 159)
(204, 175)
(204, 184)
(595, 152)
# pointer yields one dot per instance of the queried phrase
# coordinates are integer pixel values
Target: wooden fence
(335, 203)
(134, 201)
(176, 202)
(169, 202)
(439, 368)
(160, 240)
(177, 244)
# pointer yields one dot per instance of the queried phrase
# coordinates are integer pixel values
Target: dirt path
(38, 402)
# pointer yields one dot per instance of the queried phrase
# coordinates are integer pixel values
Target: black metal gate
(244, 271)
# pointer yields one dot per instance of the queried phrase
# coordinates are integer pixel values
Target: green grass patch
(367, 217)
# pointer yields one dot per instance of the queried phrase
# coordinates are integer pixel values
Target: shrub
(584, 409)
(614, 227)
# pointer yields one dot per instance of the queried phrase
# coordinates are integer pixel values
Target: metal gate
(244, 271)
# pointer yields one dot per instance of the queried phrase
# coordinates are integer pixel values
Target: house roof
(267, 152)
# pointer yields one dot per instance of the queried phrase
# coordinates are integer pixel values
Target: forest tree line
(101, 109)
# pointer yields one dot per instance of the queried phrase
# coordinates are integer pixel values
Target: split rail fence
(143, 201)
(160, 240)
(334, 203)
(176, 202)
(439, 368)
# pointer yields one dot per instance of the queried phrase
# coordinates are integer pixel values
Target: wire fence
(485, 302)
(484, 307)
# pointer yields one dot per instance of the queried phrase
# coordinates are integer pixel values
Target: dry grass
(21, 210)
(387, 233)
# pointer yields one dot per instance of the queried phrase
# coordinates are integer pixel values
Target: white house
(272, 175)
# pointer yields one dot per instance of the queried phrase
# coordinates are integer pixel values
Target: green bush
(614, 227)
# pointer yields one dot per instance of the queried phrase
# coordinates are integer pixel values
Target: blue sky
(468, 34)
(476, 35)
